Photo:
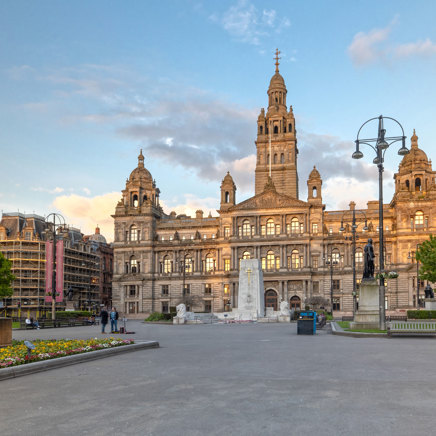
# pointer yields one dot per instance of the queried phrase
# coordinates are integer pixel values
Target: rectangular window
(315, 228)
(336, 285)
(165, 289)
(208, 288)
(316, 287)
(301, 228)
(315, 262)
(239, 231)
(336, 304)
(226, 264)
(331, 230)
(263, 263)
(253, 230)
(288, 228)
(165, 307)
(208, 306)
(27, 236)
(263, 230)
(132, 291)
(226, 232)
(277, 262)
(226, 290)
(187, 289)
(277, 229)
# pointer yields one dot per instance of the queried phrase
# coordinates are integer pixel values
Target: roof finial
(277, 59)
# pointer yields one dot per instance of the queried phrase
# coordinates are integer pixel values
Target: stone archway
(295, 303)
(271, 299)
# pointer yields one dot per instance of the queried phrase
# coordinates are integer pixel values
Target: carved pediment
(269, 199)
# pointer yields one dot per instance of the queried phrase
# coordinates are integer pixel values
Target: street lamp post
(354, 226)
(413, 256)
(331, 263)
(382, 143)
(58, 221)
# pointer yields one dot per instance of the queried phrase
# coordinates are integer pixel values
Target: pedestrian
(104, 318)
(114, 319)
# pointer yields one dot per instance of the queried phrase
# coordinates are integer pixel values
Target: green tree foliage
(426, 255)
(6, 277)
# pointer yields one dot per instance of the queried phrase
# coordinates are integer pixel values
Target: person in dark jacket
(104, 319)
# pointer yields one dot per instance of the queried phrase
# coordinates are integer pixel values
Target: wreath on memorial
(387, 275)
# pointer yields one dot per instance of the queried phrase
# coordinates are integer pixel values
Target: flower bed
(17, 354)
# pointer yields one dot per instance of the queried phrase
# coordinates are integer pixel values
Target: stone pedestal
(367, 317)
(284, 318)
(251, 305)
(5, 332)
(179, 320)
(430, 304)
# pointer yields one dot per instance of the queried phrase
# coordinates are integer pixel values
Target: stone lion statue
(181, 311)
(284, 308)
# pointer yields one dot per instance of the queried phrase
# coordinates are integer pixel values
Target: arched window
(271, 299)
(295, 302)
(133, 233)
(246, 255)
(261, 130)
(246, 228)
(290, 127)
(270, 260)
(295, 259)
(282, 158)
(276, 129)
(227, 197)
(295, 226)
(267, 159)
(419, 218)
(210, 263)
(407, 184)
(275, 158)
(189, 265)
(314, 192)
(359, 257)
(167, 265)
(144, 198)
(336, 257)
(135, 200)
(134, 265)
(270, 227)
(417, 184)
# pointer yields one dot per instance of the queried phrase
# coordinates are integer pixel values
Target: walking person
(114, 319)
(104, 318)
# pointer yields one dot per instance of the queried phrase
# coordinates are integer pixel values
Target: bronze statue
(368, 269)
(428, 291)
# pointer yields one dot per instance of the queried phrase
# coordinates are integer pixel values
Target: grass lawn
(15, 325)
(346, 326)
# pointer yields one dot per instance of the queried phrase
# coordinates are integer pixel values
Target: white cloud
(247, 24)
(86, 191)
(374, 47)
(337, 192)
(56, 190)
(191, 204)
(87, 213)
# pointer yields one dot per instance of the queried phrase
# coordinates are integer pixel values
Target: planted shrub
(421, 314)
(72, 314)
(157, 316)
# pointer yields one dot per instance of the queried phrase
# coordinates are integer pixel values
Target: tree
(6, 277)
(426, 255)
(316, 301)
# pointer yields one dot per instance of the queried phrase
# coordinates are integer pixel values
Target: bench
(49, 323)
(412, 328)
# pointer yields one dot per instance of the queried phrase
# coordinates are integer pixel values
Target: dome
(277, 81)
(140, 173)
(416, 157)
(97, 237)
(228, 178)
(314, 174)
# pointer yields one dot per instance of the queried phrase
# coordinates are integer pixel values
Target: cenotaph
(251, 305)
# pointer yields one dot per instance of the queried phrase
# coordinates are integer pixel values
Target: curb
(337, 330)
(45, 365)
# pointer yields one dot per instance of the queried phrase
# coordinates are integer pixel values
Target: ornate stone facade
(162, 260)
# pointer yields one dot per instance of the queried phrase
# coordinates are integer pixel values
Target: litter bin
(306, 324)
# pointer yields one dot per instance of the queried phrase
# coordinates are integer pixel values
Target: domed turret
(97, 237)
(277, 89)
(314, 184)
(415, 159)
(228, 192)
(140, 173)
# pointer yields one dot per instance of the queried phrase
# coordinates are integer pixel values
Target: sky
(85, 85)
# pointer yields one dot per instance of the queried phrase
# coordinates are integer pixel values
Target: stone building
(161, 260)
(87, 264)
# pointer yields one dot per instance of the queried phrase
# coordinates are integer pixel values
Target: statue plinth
(367, 317)
(430, 304)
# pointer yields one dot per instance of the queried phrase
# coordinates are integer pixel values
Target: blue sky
(85, 85)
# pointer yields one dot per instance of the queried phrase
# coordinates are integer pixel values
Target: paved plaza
(256, 379)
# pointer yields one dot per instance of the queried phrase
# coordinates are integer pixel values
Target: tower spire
(277, 60)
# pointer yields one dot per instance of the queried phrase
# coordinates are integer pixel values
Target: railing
(412, 327)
